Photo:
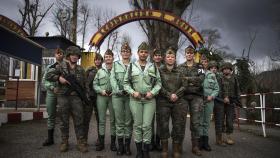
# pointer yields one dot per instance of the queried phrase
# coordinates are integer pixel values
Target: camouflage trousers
(195, 104)
(88, 109)
(224, 117)
(70, 106)
(178, 113)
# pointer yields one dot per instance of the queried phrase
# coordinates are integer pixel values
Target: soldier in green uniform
(193, 76)
(68, 98)
(155, 144)
(210, 91)
(224, 112)
(51, 99)
(142, 82)
(120, 101)
(90, 74)
(171, 104)
(103, 89)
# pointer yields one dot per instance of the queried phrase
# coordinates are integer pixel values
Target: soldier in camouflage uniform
(90, 74)
(193, 76)
(224, 112)
(155, 144)
(142, 82)
(69, 102)
(51, 99)
(171, 104)
(210, 91)
(103, 89)
(120, 101)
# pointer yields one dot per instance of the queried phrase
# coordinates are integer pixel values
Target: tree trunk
(74, 22)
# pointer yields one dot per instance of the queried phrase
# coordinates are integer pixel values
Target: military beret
(125, 46)
(170, 50)
(143, 46)
(156, 52)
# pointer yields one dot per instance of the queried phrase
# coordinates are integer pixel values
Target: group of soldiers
(142, 97)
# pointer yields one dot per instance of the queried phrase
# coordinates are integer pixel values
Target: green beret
(125, 46)
(156, 52)
(143, 46)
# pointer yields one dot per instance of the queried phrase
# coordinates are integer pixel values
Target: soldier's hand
(209, 98)
(104, 93)
(62, 80)
(136, 94)
(173, 97)
(55, 90)
(226, 100)
(149, 95)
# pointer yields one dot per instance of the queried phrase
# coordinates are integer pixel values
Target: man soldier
(120, 101)
(103, 89)
(51, 99)
(171, 104)
(69, 97)
(210, 91)
(224, 111)
(142, 82)
(155, 144)
(193, 76)
(90, 74)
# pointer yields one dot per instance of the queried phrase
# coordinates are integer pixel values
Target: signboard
(194, 36)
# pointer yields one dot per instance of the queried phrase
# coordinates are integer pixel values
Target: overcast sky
(233, 18)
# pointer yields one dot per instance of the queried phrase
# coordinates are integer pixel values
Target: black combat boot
(195, 148)
(113, 143)
(206, 145)
(127, 146)
(101, 145)
(158, 146)
(120, 150)
(49, 141)
(146, 151)
(139, 150)
(153, 144)
(201, 142)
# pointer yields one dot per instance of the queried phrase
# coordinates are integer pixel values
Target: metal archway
(136, 15)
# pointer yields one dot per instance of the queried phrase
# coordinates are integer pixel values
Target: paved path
(24, 140)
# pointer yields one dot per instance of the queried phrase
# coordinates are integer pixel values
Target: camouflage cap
(125, 46)
(73, 50)
(212, 63)
(170, 50)
(156, 52)
(143, 46)
(226, 65)
(190, 48)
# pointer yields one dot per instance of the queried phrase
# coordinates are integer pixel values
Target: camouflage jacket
(192, 77)
(172, 82)
(64, 69)
(102, 80)
(49, 86)
(229, 87)
(210, 85)
(90, 75)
